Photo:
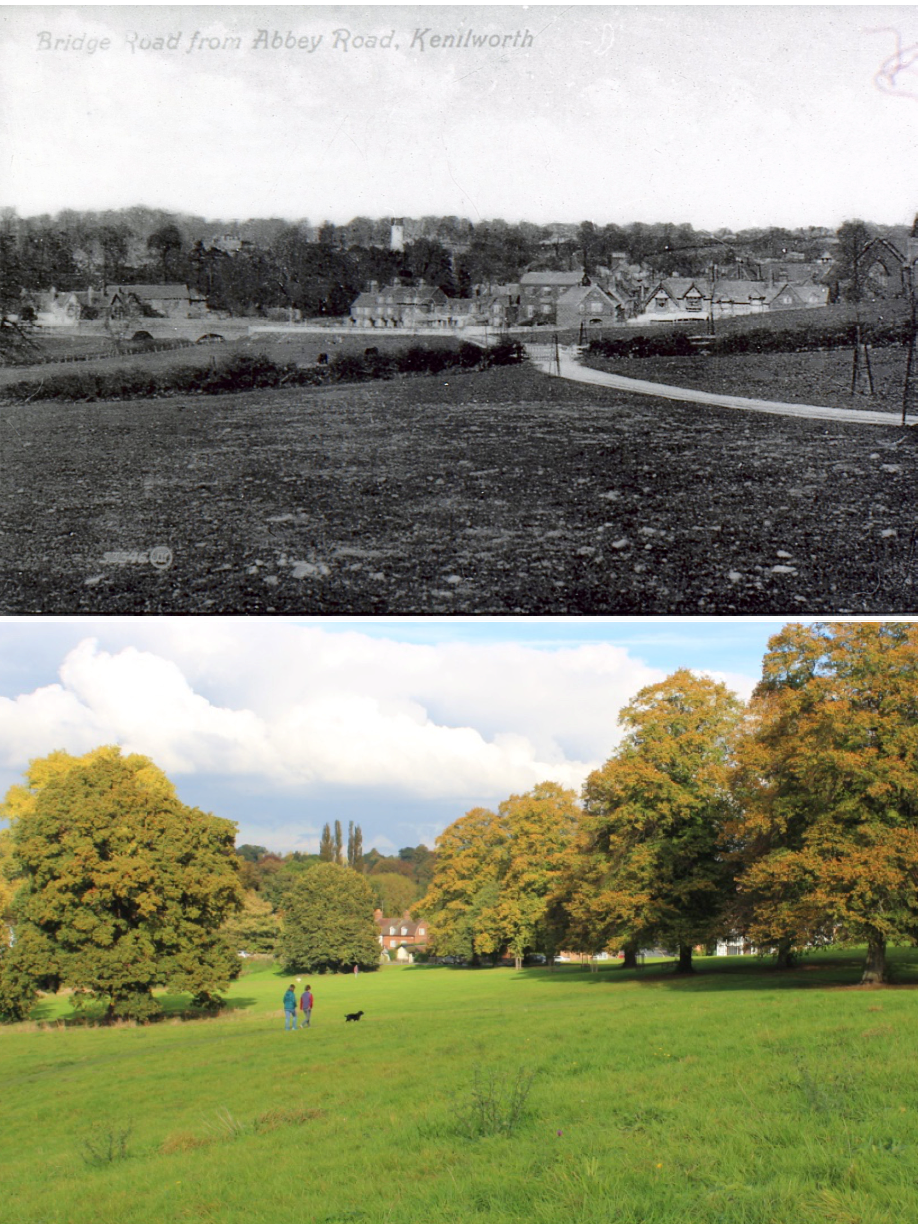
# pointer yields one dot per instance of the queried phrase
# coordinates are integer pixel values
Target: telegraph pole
(909, 361)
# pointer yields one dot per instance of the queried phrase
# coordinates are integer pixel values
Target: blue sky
(398, 725)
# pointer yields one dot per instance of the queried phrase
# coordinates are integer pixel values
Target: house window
(404, 930)
(693, 303)
(545, 309)
(391, 930)
(420, 930)
(661, 303)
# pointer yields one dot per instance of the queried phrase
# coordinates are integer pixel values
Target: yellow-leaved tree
(122, 887)
(827, 784)
(649, 867)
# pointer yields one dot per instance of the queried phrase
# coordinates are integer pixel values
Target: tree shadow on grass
(174, 1007)
(843, 970)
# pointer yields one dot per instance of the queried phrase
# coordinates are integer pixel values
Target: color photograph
(457, 920)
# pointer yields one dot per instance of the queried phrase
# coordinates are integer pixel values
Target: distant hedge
(755, 340)
(244, 373)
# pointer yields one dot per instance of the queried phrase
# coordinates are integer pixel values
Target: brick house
(401, 932)
(540, 291)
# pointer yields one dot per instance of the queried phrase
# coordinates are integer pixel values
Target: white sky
(402, 727)
(717, 115)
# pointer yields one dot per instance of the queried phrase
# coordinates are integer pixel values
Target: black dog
(352, 1016)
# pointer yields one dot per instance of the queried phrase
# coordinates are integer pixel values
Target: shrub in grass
(103, 1146)
(495, 1104)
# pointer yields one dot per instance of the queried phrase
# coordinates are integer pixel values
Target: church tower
(397, 238)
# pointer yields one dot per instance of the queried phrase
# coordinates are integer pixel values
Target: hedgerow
(799, 339)
(244, 372)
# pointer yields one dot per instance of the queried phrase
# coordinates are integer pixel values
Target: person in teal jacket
(290, 1008)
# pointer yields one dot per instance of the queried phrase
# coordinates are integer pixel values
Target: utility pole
(713, 284)
(912, 290)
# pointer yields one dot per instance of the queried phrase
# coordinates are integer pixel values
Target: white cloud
(299, 707)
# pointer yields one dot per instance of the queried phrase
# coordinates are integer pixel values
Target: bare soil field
(497, 492)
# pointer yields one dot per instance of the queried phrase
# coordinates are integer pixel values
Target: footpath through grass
(739, 1096)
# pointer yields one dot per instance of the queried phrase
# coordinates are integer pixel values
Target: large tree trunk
(785, 958)
(685, 959)
(631, 960)
(875, 965)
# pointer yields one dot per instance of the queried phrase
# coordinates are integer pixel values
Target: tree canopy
(651, 867)
(328, 922)
(495, 873)
(121, 887)
(828, 786)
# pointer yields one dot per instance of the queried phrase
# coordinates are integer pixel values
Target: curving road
(542, 359)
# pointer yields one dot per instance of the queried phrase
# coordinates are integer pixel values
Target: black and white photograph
(458, 310)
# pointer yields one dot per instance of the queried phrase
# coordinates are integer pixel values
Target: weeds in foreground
(227, 1128)
(495, 1104)
(103, 1146)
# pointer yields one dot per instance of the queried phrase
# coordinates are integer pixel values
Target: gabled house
(677, 297)
(154, 301)
(56, 308)
(540, 291)
(395, 933)
(798, 297)
(591, 306)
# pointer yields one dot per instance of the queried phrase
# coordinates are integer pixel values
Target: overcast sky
(401, 726)
(728, 116)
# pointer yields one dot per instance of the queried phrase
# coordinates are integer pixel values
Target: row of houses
(569, 299)
(54, 308)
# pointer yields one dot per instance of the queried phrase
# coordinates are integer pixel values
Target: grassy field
(497, 492)
(742, 1095)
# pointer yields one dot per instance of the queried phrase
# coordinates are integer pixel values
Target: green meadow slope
(738, 1096)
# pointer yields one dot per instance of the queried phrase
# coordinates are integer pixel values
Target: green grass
(739, 1096)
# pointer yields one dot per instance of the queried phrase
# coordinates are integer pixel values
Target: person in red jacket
(306, 1002)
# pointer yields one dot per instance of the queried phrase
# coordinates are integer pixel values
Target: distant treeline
(261, 264)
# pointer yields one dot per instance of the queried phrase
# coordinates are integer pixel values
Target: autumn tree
(650, 866)
(339, 843)
(7, 887)
(538, 827)
(328, 922)
(828, 777)
(122, 887)
(460, 902)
